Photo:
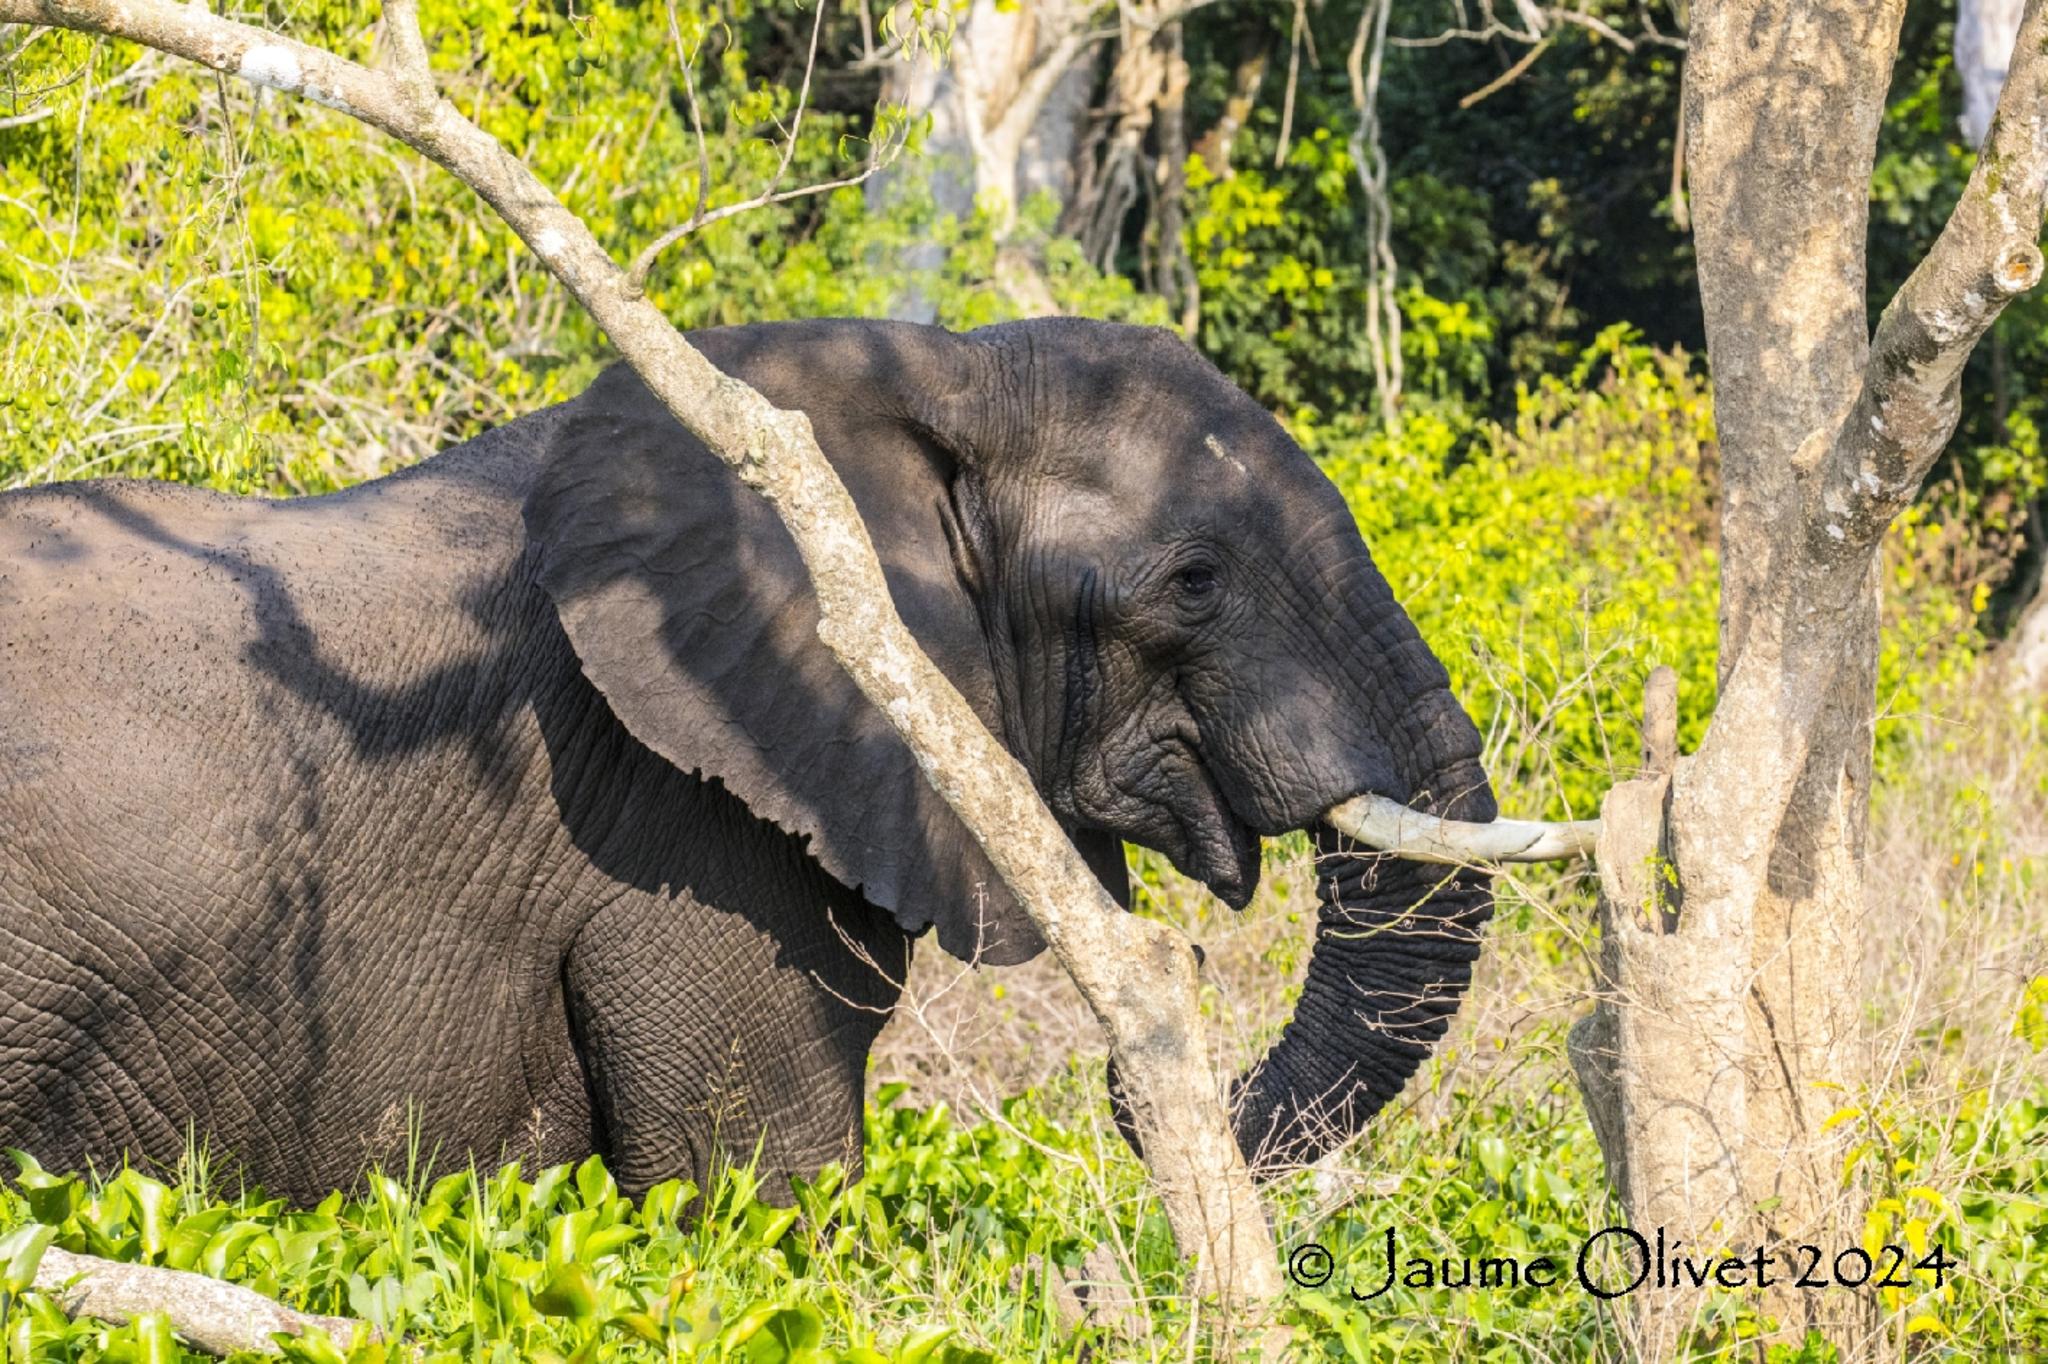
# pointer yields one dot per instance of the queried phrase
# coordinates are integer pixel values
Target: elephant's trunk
(1395, 943)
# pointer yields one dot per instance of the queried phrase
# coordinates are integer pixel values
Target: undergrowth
(943, 1252)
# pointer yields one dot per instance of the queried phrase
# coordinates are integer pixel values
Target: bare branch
(1594, 24)
(220, 1318)
(1293, 80)
(636, 275)
(684, 61)
(1507, 77)
(405, 51)
(1986, 256)
(1393, 827)
(1369, 157)
(1536, 26)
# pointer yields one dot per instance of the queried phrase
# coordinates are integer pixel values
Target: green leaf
(377, 1303)
(152, 1199)
(778, 1335)
(570, 1293)
(665, 1202)
(226, 1247)
(607, 1241)
(1493, 1158)
(314, 1347)
(766, 1225)
(21, 1253)
(155, 1343)
(53, 1201)
(594, 1183)
(922, 1345)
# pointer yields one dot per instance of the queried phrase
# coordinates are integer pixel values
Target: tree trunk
(2026, 650)
(1214, 146)
(1985, 30)
(1728, 1032)
(1116, 175)
(1007, 98)
(1166, 268)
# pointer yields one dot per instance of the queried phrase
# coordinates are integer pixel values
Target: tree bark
(1985, 33)
(1826, 433)
(1167, 269)
(218, 1318)
(1007, 98)
(1985, 30)
(1138, 975)
(2026, 651)
(1214, 146)
(1149, 75)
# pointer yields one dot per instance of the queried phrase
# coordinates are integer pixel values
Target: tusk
(1392, 827)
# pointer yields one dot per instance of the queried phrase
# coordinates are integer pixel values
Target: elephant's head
(1149, 591)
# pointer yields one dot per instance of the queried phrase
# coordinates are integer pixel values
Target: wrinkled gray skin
(513, 796)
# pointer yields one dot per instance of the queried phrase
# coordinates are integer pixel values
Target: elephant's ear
(685, 599)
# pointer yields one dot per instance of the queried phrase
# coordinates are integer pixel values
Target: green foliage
(217, 285)
(1534, 221)
(908, 1267)
(1280, 264)
(1998, 1223)
(1524, 225)
(941, 1255)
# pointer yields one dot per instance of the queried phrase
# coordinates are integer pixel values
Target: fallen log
(219, 1318)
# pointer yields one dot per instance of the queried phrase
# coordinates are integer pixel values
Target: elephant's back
(150, 631)
(117, 607)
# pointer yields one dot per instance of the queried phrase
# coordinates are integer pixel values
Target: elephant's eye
(1197, 580)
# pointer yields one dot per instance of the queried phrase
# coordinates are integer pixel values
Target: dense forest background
(1446, 246)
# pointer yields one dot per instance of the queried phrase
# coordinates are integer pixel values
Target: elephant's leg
(706, 1030)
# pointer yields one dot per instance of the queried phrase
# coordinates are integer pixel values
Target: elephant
(509, 803)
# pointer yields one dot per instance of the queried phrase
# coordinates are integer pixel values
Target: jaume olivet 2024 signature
(1615, 1262)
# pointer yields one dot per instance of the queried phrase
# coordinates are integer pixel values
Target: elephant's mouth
(1215, 845)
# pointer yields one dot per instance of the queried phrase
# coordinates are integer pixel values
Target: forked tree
(1735, 909)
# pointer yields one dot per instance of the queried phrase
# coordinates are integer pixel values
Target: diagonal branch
(1986, 256)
